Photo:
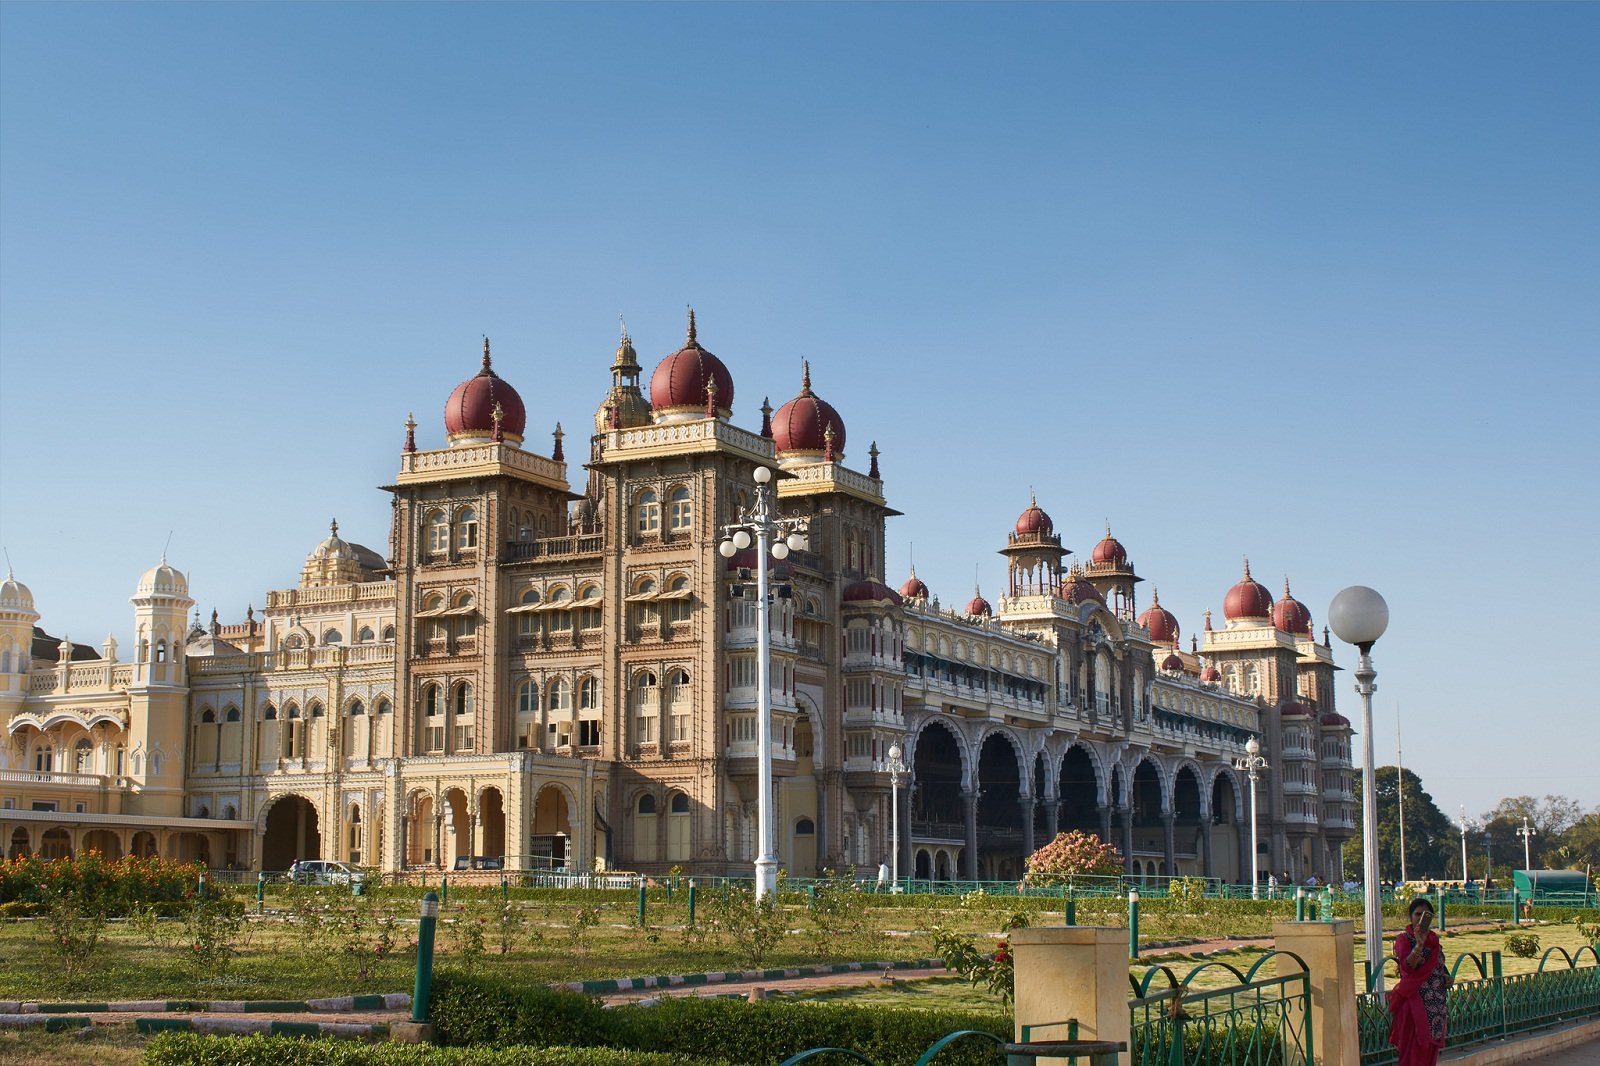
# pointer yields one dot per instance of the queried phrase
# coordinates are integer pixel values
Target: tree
(1562, 833)
(1432, 840)
(1072, 853)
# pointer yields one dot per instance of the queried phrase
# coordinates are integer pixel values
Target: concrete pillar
(1052, 817)
(1078, 972)
(1028, 805)
(1328, 949)
(969, 807)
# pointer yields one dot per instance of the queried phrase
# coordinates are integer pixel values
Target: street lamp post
(1252, 764)
(1359, 616)
(1464, 875)
(1526, 833)
(896, 768)
(778, 536)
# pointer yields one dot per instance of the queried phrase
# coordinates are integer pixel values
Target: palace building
(558, 668)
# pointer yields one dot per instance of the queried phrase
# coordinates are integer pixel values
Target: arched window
(388, 632)
(465, 609)
(461, 704)
(294, 642)
(231, 715)
(432, 719)
(678, 827)
(294, 713)
(83, 756)
(384, 706)
(528, 714)
(269, 713)
(316, 709)
(588, 694)
(357, 709)
(208, 715)
(437, 537)
(644, 828)
(646, 707)
(332, 636)
(561, 619)
(528, 619)
(589, 607)
(647, 804)
(680, 700)
(364, 635)
(680, 512)
(677, 597)
(560, 695)
(647, 512)
(161, 651)
(467, 529)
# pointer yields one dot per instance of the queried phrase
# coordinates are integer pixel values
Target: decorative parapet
(81, 677)
(367, 593)
(324, 658)
(704, 435)
(481, 460)
(816, 478)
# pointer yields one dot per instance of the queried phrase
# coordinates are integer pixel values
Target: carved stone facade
(567, 680)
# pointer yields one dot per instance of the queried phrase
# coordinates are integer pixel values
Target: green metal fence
(1491, 1004)
(1256, 1021)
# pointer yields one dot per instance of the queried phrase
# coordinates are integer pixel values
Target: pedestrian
(1417, 1001)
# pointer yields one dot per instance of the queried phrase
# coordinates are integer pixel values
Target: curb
(635, 984)
(52, 1023)
(333, 1005)
(263, 1026)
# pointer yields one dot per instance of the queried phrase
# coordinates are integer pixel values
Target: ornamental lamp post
(1526, 833)
(1465, 877)
(1252, 764)
(896, 768)
(779, 536)
(1359, 616)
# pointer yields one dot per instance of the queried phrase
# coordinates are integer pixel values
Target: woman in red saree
(1417, 1001)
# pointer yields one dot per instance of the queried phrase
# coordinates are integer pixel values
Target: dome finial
(411, 432)
(692, 339)
(559, 454)
(625, 338)
(333, 528)
(872, 469)
(1155, 597)
(766, 417)
(487, 369)
(805, 377)
(1247, 568)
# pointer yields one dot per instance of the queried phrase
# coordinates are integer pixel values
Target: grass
(96, 1046)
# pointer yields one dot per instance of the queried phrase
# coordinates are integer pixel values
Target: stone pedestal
(1065, 973)
(1329, 951)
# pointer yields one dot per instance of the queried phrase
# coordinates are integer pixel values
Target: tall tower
(158, 698)
(17, 617)
(1112, 574)
(1033, 553)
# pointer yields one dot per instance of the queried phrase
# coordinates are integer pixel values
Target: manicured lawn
(99, 1046)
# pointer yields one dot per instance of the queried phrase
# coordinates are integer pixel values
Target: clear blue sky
(1315, 284)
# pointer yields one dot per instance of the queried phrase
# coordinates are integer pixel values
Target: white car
(325, 872)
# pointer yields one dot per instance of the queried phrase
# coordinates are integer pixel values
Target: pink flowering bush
(1072, 854)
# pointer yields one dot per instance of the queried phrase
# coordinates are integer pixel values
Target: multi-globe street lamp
(1526, 833)
(1359, 616)
(1252, 764)
(779, 536)
(896, 767)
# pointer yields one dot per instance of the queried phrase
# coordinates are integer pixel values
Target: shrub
(211, 933)
(996, 972)
(1523, 945)
(753, 926)
(1071, 854)
(469, 1009)
(113, 887)
(190, 1049)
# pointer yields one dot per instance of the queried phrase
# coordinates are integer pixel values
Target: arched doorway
(1187, 848)
(939, 780)
(104, 841)
(1080, 792)
(805, 847)
(1000, 855)
(1149, 832)
(21, 846)
(1226, 854)
(143, 845)
(457, 840)
(291, 833)
(55, 844)
(421, 831)
(551, 841)
(492, 820)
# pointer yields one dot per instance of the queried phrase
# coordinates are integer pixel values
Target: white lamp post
(778, 536)
(1526, 833)
(896, 768)
(1359, 616)
(1464, 875)
(1253, 763)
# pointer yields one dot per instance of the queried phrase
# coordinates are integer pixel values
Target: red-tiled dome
(1159, 621)
(1248, 599)
(777, 570)
(1296, 710)
(1034, 521)
(469, 412)
(680, 380)
(1290, 615)
(914, 588)
(1110, 550)
(865, 591)
(978, 607)
(800, 427)
(1173, 663)
(1078, 589)
(1334, 720)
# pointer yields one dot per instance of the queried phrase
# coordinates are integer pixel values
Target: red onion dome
(1078, 589)
(469, 413)
(914, 588)
(1211, 675)
(1034, 521)
(1173, 663)
(681, 381)
(1248, 599)
(803, 425)
(1334, 720)
(1109, 550)
(1161, 623)
(1290, 615)
(870, 591)
(1296, 710)
(978, 607)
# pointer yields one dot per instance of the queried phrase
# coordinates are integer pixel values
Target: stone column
(1169, 842)
(1104, 811)
(969, 860)
(1328, 949)
(1028, 805)
(1126, 814)
(1205, 850)
(1076, 972)
(1052, 817)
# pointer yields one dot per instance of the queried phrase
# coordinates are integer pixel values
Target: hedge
(191, 1049)
(110, 886)
(473, 1010)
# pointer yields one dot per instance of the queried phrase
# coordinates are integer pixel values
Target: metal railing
(1258, 1021)
(1495, 1004)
